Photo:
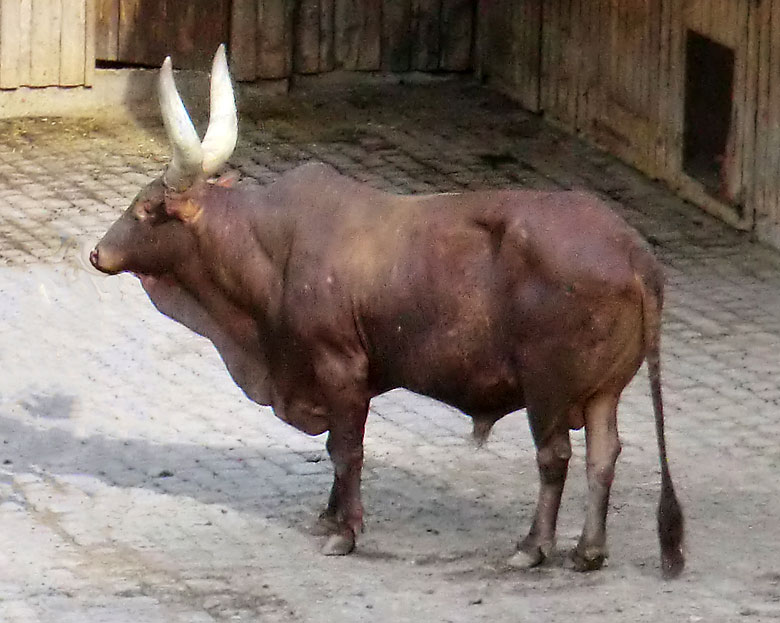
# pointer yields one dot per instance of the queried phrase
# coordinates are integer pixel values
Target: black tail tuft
(671, 527)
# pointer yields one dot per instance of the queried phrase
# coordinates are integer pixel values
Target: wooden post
(243, 39)
(73, 44)
(396, 35)
(457, 34)
(306, 26)
(107, 30)
(45, 42)
(10, 43)
(358, 34)
(327, 35)
(427, 43)
(275, 38)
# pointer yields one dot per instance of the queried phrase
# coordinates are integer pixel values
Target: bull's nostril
(93, 257)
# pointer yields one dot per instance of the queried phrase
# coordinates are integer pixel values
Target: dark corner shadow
(275, 483)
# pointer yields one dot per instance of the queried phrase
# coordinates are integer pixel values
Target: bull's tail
(670, 517)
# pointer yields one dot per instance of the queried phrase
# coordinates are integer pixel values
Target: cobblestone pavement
(138, 485)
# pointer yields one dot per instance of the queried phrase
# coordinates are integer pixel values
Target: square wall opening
(709, 82)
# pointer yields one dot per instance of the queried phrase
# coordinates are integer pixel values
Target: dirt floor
(137, 484)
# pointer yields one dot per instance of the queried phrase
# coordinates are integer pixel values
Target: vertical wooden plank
(425, 18)
(529, 61)
(676, 87)
(735, 28)
(585, 62)
(773, 134)
(107, 30)
(577, 40)
(306, 28)
(663, 87)
(358, 34)
(25, 41)
(565, 46)
(397, 35)
(762, 114)
(89, 41)
(750, 109)
(275, 38)
(549, 65)
(327, 31)
(521, 48)
(243, 39)
(45, 42)
(73, 49)
(9, 44)
(456, 28)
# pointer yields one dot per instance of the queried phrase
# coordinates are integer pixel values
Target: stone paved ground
(138, 485)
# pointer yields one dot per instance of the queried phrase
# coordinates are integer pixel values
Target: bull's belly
(477, 389)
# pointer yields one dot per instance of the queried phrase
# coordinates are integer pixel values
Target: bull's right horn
(222, 133)
(185, 165)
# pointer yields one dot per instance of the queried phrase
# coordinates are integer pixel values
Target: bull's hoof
(325, 525)
(339, 544)
(529, 556)
(588, 559)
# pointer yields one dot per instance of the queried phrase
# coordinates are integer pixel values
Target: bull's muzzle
(101, 263)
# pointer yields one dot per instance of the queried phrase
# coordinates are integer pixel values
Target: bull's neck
(239, 247)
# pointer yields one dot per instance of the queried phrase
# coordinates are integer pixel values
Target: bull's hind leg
(552, 457)
(343, 517)
(602, 450)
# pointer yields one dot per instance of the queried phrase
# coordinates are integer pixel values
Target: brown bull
(320, 292)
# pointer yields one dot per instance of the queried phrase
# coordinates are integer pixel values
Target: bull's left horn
(185, 166)
(222, 133)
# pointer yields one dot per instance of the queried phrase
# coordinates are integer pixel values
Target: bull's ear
(184, 209)
(227, 180)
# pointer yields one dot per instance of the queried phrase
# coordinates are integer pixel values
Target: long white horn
(222, 133)
(187, 152)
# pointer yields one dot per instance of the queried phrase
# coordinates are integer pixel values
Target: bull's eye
(143, 211)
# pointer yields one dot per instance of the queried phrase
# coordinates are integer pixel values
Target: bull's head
(144, 239)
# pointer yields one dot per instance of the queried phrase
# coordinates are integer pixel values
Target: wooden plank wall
(315, 36)
(46, 43)
(614, 70)
(765, 199)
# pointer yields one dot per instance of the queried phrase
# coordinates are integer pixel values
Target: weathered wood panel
(327, 35)
(275, 38)
(243, 39)
(426, 33)
(89, 42)
(10, 57)
(306, 24)
(73, 43)
(358, 34)
(107, 30)
(768, 185)
(457, 35)
(762, 200)
(45, 42)
(397, 35)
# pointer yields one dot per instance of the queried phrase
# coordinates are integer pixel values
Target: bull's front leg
(343, 517)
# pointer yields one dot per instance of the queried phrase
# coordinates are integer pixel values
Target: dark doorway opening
(709, 80)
